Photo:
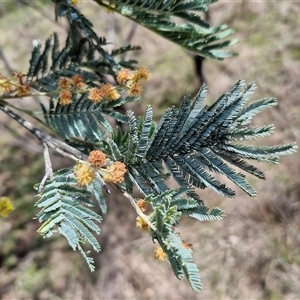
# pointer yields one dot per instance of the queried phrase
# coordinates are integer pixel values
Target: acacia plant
(84, 84)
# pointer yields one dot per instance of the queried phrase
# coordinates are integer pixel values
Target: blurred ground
(252, 254)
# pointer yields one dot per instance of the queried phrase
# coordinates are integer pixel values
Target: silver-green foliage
(81, 118)
(191, 144)
(195, 141)
(193, 33)
(67, 208)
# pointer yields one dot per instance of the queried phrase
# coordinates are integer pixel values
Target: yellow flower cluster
(65, 85)
(186, 245)
(140, 74)
(132, 80)
(78, 81)
(115, 172)
(122, 76)
(65, 98)
(134, 89)
(141, 224)
(142, 205)
(97, 158)
(5, 206)
(96, 95)
(21, 88)
(107, 91)
(159, 254)
(84, 174)
(5, 85)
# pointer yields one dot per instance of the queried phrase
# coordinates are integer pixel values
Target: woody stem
(43, 137)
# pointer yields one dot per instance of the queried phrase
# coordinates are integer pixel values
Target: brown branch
(43, 137)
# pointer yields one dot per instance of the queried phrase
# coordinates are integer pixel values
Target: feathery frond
(62, 208)
(194, 142)
(166, 216)
(194, 35)
(82, 116)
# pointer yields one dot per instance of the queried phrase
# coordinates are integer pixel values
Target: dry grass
(253, 253)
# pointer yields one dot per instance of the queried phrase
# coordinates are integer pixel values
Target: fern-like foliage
(194, 142)
(185, 204)
(191, 144)
(78, 22)
(83, 117)
(194, 35)
(80, 55)
(168, 207)
(67, 208)
(83, 54)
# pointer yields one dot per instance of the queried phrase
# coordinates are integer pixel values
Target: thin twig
(13, 96)
(62, 152)
(61, 145)
(26, 111)
(43, 137)
(48, 167)
(139, 212)
(23, 122)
